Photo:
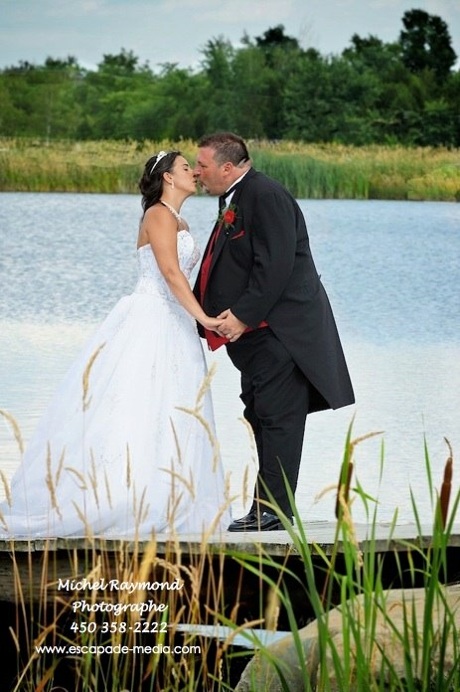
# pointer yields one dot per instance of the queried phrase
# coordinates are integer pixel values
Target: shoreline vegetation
(309, 171)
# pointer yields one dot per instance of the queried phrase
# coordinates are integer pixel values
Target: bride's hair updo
(151, 183)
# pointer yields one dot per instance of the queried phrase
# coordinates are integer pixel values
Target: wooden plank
(321, 534)
(30, 570)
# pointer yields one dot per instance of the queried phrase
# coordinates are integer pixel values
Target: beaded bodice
(151, 279)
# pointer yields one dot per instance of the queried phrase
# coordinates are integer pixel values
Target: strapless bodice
(151, 279)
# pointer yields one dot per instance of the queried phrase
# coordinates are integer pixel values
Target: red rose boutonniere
(228, 217)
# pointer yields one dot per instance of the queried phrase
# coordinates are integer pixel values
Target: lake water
(392, 272)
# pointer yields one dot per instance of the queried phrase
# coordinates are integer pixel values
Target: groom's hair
(227, 147)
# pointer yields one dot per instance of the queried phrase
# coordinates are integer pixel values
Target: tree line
(269, 87)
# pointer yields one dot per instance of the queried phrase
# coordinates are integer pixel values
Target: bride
(127, 445)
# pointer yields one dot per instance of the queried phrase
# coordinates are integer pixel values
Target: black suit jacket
(262, 269)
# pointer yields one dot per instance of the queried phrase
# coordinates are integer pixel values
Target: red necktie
(213, 339)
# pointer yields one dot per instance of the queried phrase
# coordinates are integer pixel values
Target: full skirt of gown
(127, 446)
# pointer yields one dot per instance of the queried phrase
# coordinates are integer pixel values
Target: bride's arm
(161, 229)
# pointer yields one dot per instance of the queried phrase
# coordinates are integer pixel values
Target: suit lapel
(225, 233)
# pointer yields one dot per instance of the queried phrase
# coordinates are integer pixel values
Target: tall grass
(103, 656)
(356, 642)
(345, 591)
(328, 171)
(99, 639)
(344, 648)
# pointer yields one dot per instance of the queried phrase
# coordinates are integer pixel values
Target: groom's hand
(230, 327)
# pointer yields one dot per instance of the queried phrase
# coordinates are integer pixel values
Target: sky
(176, 31)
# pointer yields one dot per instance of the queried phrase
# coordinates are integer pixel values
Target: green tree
(267, 87)
(176, 109)
(390, 84)
(281, 53)
(12, 118)
(253, 104)
(276, 38)
(41, 99)
(221, 91)
(61, 82)
(328, 99)
(110, 96)
(452, 95)
(426, 44)
(373, 54)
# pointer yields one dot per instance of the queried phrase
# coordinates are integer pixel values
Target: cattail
(446, 487)
(346, 470)
(343, 489)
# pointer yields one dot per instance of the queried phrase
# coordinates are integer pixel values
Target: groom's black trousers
(276, 397)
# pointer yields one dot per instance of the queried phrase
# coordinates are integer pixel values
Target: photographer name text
(117, 585)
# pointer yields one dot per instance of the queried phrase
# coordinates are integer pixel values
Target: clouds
(160, 31)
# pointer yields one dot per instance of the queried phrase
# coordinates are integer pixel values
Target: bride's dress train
(116, 454)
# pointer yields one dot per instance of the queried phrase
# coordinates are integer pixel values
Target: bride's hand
(212, 323)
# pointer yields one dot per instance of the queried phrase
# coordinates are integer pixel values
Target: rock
(383, 625)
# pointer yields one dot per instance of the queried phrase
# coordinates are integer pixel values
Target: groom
(258, 275)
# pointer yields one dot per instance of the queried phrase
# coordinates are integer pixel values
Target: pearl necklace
(172, 210)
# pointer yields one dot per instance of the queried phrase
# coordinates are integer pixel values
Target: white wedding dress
(114, 455)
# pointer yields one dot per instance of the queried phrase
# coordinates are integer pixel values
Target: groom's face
(213, 177)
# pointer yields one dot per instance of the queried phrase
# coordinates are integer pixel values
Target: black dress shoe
(252, 514)
(266, 521)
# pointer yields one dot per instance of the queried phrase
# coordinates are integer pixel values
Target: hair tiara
(160, 155)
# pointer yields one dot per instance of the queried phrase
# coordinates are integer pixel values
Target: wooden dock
(319, 534)
(77, 557)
